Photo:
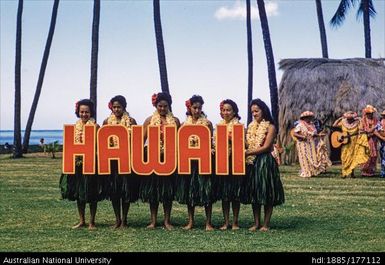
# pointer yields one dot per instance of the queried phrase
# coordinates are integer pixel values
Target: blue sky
(205, 44)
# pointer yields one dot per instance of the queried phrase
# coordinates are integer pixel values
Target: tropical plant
(270, 61)
(366, 9)
(52, 148)
(249, 59)
(39, 85)
(287, 151)
(94, 53)
(321, 25)
(17, 151)
(160, 47)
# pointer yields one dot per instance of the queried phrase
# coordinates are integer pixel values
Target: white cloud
(238, 10)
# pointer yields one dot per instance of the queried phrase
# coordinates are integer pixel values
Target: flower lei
(255, 136)
(230, 125)
(79, 128)
(368, 123)
(307, 128)
(156, 120)
(348, 125)
(125, 121)
(79, 136)
(202, 120)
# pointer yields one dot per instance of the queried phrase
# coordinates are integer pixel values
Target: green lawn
(324, 213)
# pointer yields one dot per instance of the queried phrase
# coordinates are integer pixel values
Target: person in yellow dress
(355, 152)
(313, 155)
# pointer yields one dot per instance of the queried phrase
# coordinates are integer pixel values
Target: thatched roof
(328, 87)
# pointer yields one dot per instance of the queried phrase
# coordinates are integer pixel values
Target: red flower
(76, 106)
(188, 105)
(221, 107)
(153, 99)
(110, 105)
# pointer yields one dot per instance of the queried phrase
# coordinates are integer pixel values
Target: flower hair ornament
(110, 105)
(153, 99)
(221, 107)
(76, 106)
(188, 105)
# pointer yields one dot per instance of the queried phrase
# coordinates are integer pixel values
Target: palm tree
(17, 151)
(270, 61)
(322, 30)
(249, 60)
(41, 77)
(94, 53)
(160, 47)
(366, 9)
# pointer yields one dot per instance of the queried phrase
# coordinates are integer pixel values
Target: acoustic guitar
(341, 138)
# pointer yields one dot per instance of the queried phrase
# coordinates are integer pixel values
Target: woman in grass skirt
(122, 188)
(262, 184)
(154, 188)
(229, 186)
(195, 189)
(79, 187)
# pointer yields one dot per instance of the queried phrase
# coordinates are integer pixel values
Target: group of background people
(261, 185)
(366, 138)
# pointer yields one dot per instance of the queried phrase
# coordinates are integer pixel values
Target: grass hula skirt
(194, 189)
(122, 186)
(79, 187)
(229, 186)
(262, 182)
(155, 188)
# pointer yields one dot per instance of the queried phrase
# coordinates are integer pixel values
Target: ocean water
(50, 136)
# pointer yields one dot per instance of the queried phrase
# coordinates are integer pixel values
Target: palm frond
(341, 12)
(372, 10)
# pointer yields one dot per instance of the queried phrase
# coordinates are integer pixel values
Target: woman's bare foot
(91, 226)
(224, 227)
(234, 227)
(124, 225)
(151, 226)
(264, 229)
(168, 226)
(117, 224)
(209, 227)
(189, 226)
(79, 225)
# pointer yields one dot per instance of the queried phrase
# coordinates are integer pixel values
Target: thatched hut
(328, 87)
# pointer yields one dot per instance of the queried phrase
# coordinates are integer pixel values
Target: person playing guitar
(354, 151)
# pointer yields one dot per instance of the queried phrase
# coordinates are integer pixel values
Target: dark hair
(233, 105)
(122, 101)
(266, 114)
(85, 102)
(193, 99)
(163, 96)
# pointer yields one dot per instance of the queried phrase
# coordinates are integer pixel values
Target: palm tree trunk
(160, 47)
(17, 148)
(270, 62)
(249, 60)
(368, 46)
(41, 77)
(322, 30)
(94, 53)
